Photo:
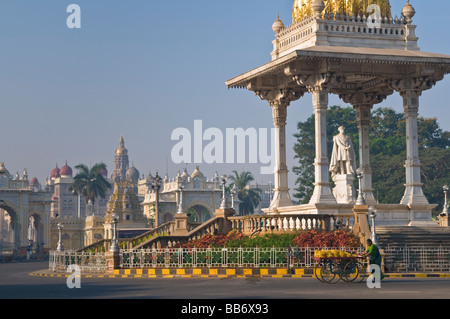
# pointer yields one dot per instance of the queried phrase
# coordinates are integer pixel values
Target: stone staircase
(413, 236)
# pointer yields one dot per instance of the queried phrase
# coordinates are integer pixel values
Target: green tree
(249, 197)
(388, 153)
(90, 183)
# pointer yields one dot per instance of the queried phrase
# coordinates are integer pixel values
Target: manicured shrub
(311, 238)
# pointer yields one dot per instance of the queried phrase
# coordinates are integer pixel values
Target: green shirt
(374, 253)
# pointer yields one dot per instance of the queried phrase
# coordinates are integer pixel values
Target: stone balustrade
(289, 223)
(335, 30)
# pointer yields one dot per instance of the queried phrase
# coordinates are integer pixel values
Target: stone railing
(329, 28)
(289, 223)
(101, 245)
(165, 237)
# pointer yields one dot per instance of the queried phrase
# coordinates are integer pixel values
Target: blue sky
(143, 68)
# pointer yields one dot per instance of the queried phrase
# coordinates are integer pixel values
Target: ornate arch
(205, 215)
(17, 227)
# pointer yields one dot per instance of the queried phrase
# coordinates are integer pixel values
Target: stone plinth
(444, 221)
(226, 226)
(361, 226)
(344, 192)
(181, 225)
(112, 261)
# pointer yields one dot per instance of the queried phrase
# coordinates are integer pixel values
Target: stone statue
(343, 155)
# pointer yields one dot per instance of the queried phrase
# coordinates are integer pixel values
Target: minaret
(121, 162)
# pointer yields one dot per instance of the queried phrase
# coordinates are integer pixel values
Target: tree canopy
(249, 197)
(90, 183)
(387, 153)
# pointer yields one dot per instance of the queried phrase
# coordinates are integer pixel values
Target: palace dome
(132, 174)
(34, 181)
(65, 171)
(303, 9)
(121, 150)
(55, 173)
(3, 170)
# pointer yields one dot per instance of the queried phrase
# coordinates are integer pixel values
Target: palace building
(24, 213)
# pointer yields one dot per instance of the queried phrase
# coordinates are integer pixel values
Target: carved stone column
(279, 100)
(363, 112)
(322, 186)
(363, 103)
(410, 89)
(317, 85)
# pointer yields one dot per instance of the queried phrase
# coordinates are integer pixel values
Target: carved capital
(363, 98)
(279, 96)
(412, 86)
(319, 81)
(279, 100)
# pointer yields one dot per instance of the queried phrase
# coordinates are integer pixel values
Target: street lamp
(180, 205)
(233, 192)
(156, 186)
(60, 247)
(114, 244)
(445, 210)
(223, 204)
(360, 200)
(372, 214)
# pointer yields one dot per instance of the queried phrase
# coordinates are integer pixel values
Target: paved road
(16, 283)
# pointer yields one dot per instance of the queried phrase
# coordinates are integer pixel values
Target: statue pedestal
(181, 225)
(344, 192)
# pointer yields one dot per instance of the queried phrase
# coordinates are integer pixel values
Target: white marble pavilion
(332, 47)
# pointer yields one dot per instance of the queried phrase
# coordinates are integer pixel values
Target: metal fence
(414, 258)
(220, 257)
(88, 262)
(397, 259)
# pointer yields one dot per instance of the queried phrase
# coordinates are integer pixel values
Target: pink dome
(34, 181)
(55, 172)
(66, 170)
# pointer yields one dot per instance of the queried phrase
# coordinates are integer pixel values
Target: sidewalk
(219, 273)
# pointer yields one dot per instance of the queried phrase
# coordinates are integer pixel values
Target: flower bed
(311, 238)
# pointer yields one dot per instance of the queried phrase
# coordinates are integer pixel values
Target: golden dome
(121, 150)
(304, 8)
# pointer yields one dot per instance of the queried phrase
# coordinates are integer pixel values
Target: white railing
(389, 30)
(396, 259)
(221, 257)
(414, 258)
(88, 262)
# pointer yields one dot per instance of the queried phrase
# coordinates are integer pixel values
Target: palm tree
(249, 197)
(90, 183)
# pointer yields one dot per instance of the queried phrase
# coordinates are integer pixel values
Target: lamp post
(60, 247)
(372, 214)
(360, 200)
(156, 187)
(445, 210)
(270, 192)
(233, 192)
(114, 243)
(223, 204)
(181, 204)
